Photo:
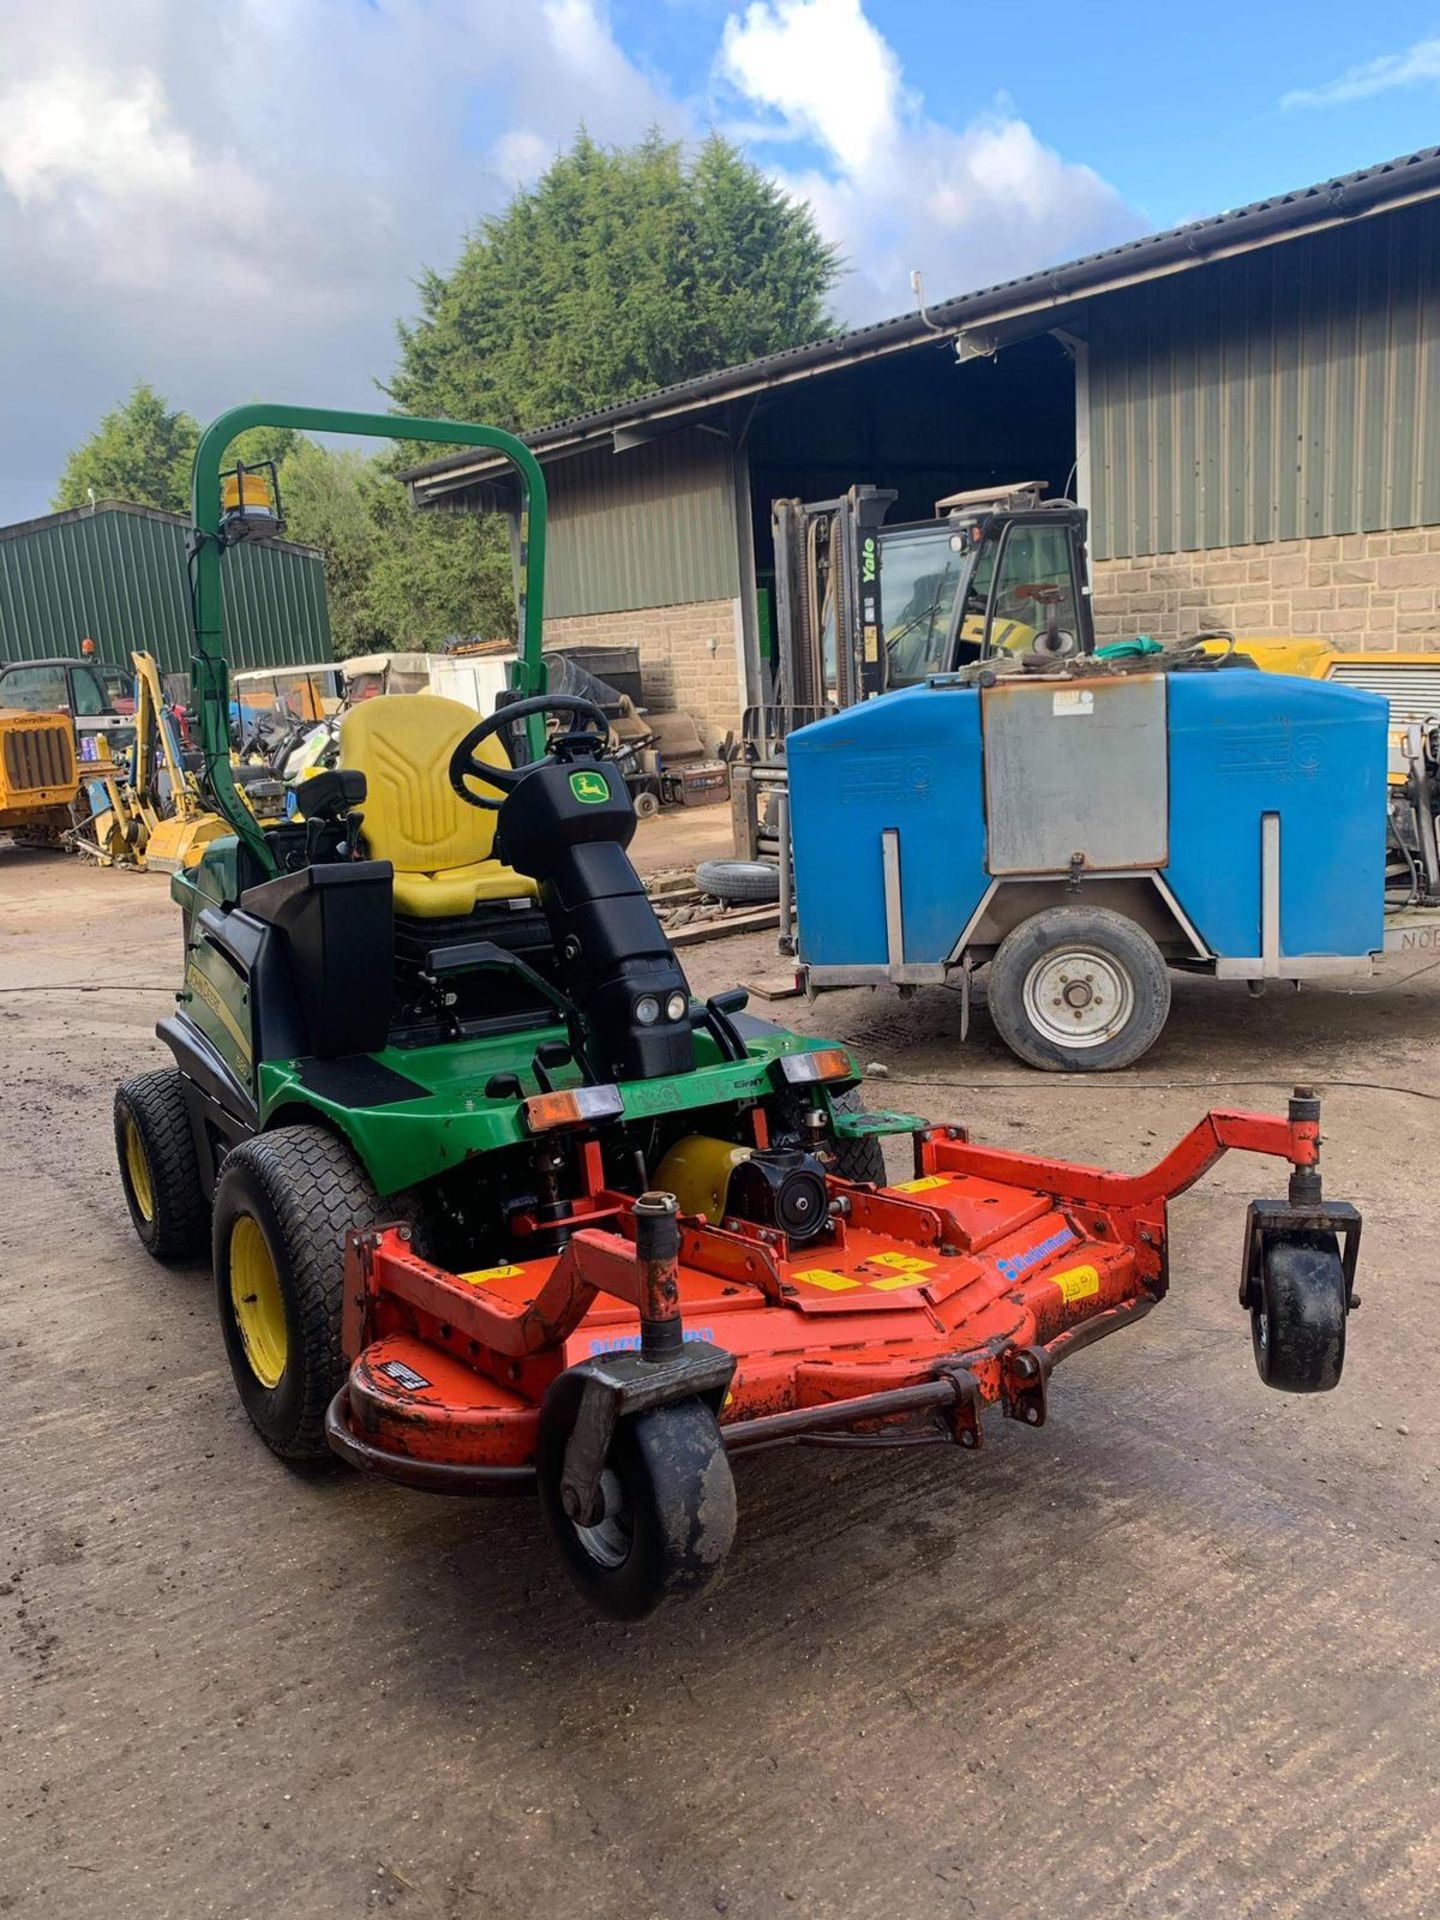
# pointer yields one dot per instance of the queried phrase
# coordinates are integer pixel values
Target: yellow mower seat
(441, 849)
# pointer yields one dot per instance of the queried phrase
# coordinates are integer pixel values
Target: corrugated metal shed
(650, 527)
(117, 573)
(1291, 393)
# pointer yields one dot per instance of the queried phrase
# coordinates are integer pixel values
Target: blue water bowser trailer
(1084, 830)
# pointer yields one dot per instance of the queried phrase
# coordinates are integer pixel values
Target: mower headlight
(826, 1063)
(545, 1110)
(647, 1009)
(676, 1007)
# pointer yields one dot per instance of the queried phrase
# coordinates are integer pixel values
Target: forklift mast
(862, 608)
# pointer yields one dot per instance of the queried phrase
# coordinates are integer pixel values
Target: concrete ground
(1178, 1654)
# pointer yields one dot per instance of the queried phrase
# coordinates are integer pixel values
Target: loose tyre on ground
(159, 1173)
(669, 1504)
(283, 1207)
(1081, 989)
(748, 882)
(1297, 1324)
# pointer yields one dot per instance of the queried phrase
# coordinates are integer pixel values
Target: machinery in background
(38, 776)
(862, 608)
(145, 810)
(74, 686)
(1410, 682)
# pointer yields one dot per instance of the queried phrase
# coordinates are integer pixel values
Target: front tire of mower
(862, 1159)
(159, 1173)
(1297, 1325)
(669, 1495)
(283, 1207)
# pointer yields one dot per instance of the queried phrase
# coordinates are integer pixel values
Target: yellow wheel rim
(258, 1303)
(137, 1170)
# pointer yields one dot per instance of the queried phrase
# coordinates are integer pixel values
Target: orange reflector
(826, 1063)
(542, 1111)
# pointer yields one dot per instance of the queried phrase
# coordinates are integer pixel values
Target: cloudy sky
(232, 198)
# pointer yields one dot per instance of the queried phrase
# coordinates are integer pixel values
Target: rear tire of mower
(304, 1190)
(1297, 1326)
(1085, 950)
(159, 1172)
(670, 1504)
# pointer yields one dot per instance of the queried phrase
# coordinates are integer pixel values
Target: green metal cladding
(117, 573)
(651, 527)
(1285, 394)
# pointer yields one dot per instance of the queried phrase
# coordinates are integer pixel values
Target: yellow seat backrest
(413, 817)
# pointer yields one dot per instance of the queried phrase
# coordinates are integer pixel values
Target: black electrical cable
(1087, 1082)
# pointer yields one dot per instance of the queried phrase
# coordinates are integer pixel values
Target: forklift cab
(999, 574)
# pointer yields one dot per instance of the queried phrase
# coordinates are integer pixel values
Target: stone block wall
(1372, 590)
(689, 656)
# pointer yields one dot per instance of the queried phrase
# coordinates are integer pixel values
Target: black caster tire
(159, 1170)
(669, 1498)
(1297, 1325)
(1079, 990)
(283, 1208)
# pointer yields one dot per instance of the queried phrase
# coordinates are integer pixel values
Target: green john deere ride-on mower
(495, 1205)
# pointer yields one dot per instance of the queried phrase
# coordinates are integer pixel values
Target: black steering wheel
(464, 765)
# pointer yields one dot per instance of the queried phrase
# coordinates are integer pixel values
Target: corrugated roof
(1345, 197)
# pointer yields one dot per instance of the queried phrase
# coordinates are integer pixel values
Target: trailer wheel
(1297, 1325)
(283, 1206)
(669, 1504)
(1079, 989)
(159, 1172)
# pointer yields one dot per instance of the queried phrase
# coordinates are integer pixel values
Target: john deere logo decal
(590, 788)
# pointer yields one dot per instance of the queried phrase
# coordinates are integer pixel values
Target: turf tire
(862, 1159)
(178, 1226)
(305, 1189)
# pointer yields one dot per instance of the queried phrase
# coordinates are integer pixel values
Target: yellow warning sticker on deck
(924, 1184)
(483, 1274)
(822, 1277)
(901, 1262)
(1077, 1283)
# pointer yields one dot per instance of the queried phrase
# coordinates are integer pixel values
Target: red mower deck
(919, 1306)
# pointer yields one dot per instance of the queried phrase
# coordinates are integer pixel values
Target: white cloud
(1417, 66)
(244, 211)
(895, 188)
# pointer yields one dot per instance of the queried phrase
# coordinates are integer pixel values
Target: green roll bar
(207, 551)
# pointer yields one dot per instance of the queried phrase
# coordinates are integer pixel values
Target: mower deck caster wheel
(1297, 1322)
(668, 1514)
